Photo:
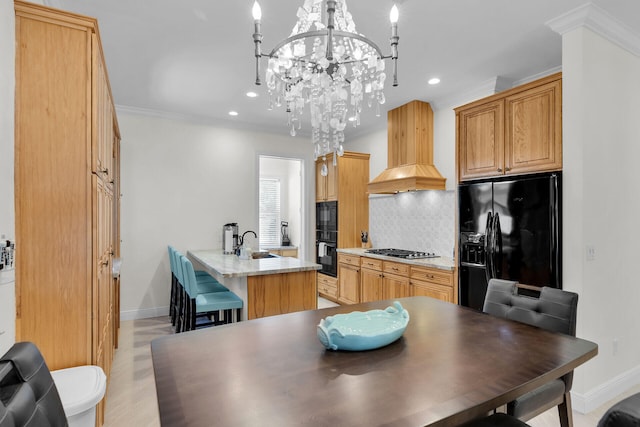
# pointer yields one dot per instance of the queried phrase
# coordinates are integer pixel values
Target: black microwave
(327, 216)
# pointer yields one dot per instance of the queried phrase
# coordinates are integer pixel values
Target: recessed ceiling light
(434, 81)
(252, 94)
(352, 119)
(233, 113)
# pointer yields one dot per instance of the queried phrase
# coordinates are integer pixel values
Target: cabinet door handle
(499, 169)
(507, 169)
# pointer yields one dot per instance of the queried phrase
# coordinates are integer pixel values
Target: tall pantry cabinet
(66, 189)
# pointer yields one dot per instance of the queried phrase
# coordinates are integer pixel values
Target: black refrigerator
(510, 228)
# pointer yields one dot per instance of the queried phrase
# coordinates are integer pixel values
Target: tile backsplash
(420, 221)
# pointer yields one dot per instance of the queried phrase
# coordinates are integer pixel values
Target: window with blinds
(269, 212)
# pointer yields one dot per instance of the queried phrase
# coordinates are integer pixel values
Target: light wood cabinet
(395, 286)
(346, 183)
(433, 283)
(328, 287)
(273, 294)
(285, 252)
(382, 279)
(371, 285)
(348, 279)
(67, 190)
(370, 279)
(326, 185)
(349, 183)
(517, 131)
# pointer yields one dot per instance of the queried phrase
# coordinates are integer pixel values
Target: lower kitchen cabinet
(432, 283)
(364, 279)
(371, 280)
(348, 279)
(328, 287)
(395, 281)
(394, 286)
(285, 252)
(426, 289)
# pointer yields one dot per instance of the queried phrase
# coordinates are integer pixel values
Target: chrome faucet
(242, 237)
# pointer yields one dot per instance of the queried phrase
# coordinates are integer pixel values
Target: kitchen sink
(259, 255)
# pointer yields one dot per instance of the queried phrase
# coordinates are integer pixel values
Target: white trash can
(80, 388)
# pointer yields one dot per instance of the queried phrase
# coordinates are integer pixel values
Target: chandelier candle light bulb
(327, 65)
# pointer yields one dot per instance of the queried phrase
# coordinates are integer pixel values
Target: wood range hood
(410, 152)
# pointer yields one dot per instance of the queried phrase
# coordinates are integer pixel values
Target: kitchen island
(268, 286)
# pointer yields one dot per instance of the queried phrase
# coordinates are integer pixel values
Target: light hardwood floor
(131, 395)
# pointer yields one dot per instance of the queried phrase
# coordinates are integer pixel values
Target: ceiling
(193, 59)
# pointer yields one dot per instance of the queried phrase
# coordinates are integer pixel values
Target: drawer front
(371, 263)
(396, 268)
(432, 275)
(349, 259)
(427, 289)
(327, 285)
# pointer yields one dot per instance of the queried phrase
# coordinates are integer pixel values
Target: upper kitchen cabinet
(326, 184)
(514, 132)
(346, 183)
(67, 189)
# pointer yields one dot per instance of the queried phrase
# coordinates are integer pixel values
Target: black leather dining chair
(625, 413)
(554, 310)
(28, 394)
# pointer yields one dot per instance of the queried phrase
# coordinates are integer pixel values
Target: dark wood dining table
(451, 365)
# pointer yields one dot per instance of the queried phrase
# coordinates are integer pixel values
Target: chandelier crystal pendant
(326, 64)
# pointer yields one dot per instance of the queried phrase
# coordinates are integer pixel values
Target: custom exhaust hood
(410, 152)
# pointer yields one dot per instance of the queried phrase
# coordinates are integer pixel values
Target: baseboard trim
(144, 313)
(593, 399)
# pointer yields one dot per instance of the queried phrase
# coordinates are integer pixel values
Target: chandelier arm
(257, 40)
(308, 34)
(331, 10)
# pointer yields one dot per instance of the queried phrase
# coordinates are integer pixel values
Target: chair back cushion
(189, 276)
(172, 262)
(625, 413)
(555, 310)
(177, 262)
(28, 394)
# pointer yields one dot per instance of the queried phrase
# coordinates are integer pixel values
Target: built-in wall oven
(327, 237)
(327, 216)
(327, 256)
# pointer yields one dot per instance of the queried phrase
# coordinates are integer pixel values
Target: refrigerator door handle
(488, 246)
(496, 244)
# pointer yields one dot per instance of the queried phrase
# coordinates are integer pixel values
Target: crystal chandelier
(326, 64)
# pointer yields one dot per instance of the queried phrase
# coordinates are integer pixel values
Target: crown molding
(600, 22)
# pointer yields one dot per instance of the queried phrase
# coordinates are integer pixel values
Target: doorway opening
(281, 204)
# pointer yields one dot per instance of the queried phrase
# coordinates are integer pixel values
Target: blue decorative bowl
(357, 331)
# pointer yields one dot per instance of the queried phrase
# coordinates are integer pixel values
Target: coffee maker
(230, 238)
(284, 228)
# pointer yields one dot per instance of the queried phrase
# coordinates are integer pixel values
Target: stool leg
(172, 303)
(239, 315)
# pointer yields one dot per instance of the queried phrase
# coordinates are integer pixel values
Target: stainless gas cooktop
(402, 253)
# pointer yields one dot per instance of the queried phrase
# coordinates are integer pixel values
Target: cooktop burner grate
(402, 253)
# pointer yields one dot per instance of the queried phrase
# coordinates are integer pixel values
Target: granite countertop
(442, 263)
(232, 266)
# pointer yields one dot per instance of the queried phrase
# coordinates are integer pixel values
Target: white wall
(181, 183)
(7, 216)
(601, 144)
